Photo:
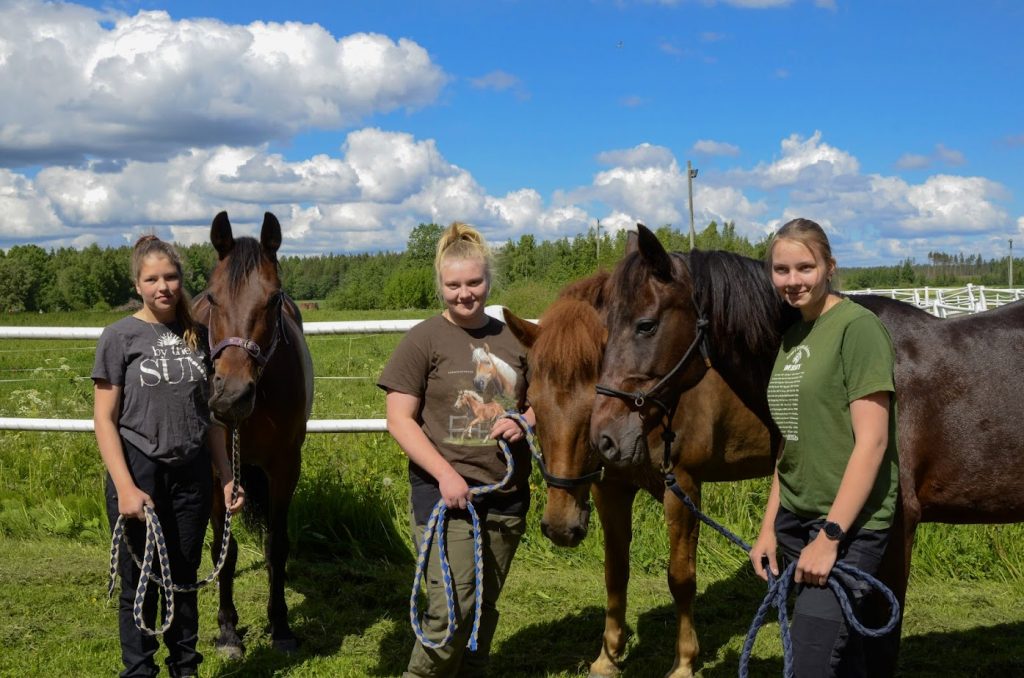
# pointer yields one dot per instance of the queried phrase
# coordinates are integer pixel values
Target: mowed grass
(351, 565)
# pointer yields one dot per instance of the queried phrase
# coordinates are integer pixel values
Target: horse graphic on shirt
(490, 369)
(483, 413)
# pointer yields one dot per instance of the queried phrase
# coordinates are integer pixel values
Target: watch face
(833, 531)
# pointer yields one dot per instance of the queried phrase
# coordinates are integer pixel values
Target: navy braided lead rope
(778, 593)
(156, 547)
(435, 526)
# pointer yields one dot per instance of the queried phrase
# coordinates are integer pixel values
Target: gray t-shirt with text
(164, 388)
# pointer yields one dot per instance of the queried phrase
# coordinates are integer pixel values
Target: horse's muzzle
(624, 448)
(232, 400)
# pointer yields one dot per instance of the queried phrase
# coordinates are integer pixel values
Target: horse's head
(655, 349)
(565, 356)
(242, 310)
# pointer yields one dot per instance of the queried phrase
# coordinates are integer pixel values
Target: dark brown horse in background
(263, 385)
(959, 392)
(723, 441)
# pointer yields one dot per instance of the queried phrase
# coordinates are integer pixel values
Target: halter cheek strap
(668, 412)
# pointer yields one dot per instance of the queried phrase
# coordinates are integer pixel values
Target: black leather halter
(568, 483)
(251, 346)
(640, 398)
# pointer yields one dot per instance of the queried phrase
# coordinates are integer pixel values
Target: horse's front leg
(614, 503)
(228, 642)
(683, 531)
(282, 487)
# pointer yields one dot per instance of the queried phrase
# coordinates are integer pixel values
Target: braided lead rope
(435, 527)
(155, 541)
(778, 593)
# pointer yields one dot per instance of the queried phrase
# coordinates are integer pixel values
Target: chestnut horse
(723, 441)
(959, 394)
(263, 385)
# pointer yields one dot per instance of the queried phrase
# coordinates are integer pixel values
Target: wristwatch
(833, 531)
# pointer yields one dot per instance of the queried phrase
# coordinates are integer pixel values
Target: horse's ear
(220, 235)
(270, 235)
(632, 239)
(525, 331)
(654, 253)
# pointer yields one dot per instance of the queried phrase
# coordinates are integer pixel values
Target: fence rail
(942, 302)
(946, 302)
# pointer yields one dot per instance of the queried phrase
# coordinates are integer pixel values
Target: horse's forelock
(246, 257)
(569, 347)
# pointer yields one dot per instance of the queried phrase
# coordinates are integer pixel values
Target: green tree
(23, 275)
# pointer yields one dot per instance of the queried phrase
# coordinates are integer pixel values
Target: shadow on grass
(723, 614)
(350, 567)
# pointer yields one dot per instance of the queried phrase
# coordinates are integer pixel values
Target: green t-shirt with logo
(823, 366)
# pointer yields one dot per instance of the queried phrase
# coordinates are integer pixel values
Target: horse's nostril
(606, 446)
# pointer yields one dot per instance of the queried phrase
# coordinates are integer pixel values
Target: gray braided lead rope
(435, 526)
(778, 592)
(157, 544)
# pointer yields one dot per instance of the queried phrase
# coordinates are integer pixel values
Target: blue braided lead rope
(156, 547)
(778, 593)
(435, 527)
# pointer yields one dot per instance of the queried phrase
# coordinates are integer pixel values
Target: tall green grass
(352, 497)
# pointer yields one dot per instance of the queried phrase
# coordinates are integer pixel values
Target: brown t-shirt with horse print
(464, 379)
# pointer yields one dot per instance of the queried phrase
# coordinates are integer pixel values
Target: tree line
(529, 272)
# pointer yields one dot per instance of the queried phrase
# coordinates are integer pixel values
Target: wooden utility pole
(1011, 262)
(691, 174)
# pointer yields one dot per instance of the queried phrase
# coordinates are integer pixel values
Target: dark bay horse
(723, 441)
(959, 394)
(263, 385)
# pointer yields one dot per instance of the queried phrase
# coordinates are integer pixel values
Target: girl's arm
(870, 418)
(105, 415)
(401, 409)
(767, 544)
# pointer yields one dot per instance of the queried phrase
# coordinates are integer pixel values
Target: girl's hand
(506, 428)
(239, 498)
(454, 490)
(764, 550)
(816, 561)
(130, 503)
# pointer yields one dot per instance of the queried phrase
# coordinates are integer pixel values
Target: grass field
(351, 569)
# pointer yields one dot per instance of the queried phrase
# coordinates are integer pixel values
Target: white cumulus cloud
(79, 83)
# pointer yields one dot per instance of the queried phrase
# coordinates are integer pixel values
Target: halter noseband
(640, 398)
(568, 483)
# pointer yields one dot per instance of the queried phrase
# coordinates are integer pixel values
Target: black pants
(182, 498)
(823, 644)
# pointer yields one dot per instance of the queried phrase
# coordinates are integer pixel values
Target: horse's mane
(732, 290)
(466, 393)
(245, 258)
(590, 289)
(570, 348)
(739, 300)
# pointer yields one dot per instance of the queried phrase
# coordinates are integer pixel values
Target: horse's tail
(256, 512)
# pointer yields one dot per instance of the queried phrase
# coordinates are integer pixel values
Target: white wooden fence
(942, 302)
(945, 302)
(309, 328)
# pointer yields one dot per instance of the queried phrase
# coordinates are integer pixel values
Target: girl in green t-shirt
(834, 489)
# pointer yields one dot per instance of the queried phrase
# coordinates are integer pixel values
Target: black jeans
(182, 495)
(823, 644)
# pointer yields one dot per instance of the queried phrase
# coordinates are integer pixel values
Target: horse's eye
(646, 327)
(210, 300)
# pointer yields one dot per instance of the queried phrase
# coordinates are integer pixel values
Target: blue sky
(897, 125)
